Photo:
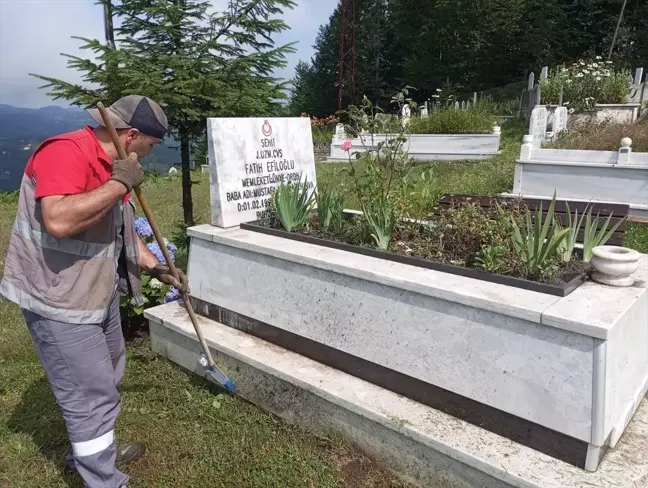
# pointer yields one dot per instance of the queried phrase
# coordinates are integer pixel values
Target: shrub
(585, 84)
(154, 291)
(451, 121)
(601, 136)
(322, 128)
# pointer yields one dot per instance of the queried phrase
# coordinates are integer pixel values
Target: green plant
(566, 247)
(586, 83)
(491, 258)
(381, 171)
(451, 121)
(330, 204)
(537, 240)
(293, 203)
(381, 217)
(593, 238)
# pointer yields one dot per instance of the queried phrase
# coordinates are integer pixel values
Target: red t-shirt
(62, 168)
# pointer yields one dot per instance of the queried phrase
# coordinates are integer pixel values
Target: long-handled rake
(213, 372)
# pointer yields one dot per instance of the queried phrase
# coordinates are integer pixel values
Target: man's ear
(133, 134)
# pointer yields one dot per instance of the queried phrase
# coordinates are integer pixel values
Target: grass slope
(194, 438)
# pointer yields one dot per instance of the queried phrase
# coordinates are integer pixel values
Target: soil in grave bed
(465, 240)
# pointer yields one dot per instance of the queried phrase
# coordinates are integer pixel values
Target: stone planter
(429, 147)
(614, 265)
(619, 113)
(321, 150)
(562, 375)
(601, 176)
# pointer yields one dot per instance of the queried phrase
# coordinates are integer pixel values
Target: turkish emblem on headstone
(266, 128)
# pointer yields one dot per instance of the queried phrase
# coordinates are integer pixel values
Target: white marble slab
(409, 422)
(249, 158)
(427, 147)
(513, 302)
(625, 184)
(539, 373)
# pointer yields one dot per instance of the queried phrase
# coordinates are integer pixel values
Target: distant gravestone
(538, 125)
(561, 115)
(249, 158)
(406, 114)
(340, 133)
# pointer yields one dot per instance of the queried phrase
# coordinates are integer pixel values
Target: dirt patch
(358, 471)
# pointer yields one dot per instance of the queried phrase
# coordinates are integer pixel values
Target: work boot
(126, 454)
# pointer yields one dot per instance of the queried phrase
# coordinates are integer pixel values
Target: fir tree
(194, 64)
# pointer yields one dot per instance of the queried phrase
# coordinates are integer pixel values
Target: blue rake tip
(230, 387)
(222, 379)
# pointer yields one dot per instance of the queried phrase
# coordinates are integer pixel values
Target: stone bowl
(613, 265)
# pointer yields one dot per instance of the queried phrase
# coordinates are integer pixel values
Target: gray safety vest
(70, 280)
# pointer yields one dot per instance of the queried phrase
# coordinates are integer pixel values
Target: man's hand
(163, 273)
(128, 172)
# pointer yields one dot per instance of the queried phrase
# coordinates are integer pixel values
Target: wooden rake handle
(156, 231)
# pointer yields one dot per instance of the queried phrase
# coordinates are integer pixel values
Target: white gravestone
(249, 158)
(406, 113)
(538, 125)
(560, 117)
(340, 133)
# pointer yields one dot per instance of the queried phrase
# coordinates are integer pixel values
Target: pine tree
(315, 84)
(194, 64)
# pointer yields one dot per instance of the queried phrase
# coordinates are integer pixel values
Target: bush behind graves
(451, 121)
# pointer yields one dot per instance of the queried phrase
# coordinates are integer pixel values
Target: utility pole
(616, 31)
(346, 76)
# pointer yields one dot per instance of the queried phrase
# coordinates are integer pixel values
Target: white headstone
(249, 158)
(340, 134)
(538, 125)
(406, 113)
(561, 115)
(638, 76)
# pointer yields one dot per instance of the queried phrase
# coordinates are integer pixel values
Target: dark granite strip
(538, 437)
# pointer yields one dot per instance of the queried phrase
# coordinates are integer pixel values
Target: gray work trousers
(84, 365)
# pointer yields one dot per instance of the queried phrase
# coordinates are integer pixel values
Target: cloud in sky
(34, 33)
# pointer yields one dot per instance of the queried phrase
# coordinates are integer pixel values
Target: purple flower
(172, 295)
(157, 252)
(143, 227)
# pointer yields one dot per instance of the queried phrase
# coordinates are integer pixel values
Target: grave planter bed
(613, 177)
(429, 147)
(562, 375)
(569, 282)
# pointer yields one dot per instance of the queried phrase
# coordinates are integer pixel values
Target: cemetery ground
(195, 437)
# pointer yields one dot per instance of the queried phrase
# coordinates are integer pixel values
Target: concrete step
(422, 445)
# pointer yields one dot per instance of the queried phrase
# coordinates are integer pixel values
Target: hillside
(22, 129)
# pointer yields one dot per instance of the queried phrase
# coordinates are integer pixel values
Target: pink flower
(346, 145)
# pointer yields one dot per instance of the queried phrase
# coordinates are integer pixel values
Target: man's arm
(67, 215)
(147, 259)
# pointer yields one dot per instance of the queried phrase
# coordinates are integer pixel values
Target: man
(73, 252)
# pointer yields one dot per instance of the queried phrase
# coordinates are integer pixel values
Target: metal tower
(346, 81)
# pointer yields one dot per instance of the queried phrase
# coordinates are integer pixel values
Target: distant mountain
(22, 129)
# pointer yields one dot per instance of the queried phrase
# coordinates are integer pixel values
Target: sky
(34, 33)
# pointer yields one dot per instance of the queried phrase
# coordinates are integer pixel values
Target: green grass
(193, 441)
(194, 437)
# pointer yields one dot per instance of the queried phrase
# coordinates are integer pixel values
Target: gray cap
(135, 111)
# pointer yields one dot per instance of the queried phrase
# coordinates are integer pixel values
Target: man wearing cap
(73, 252)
